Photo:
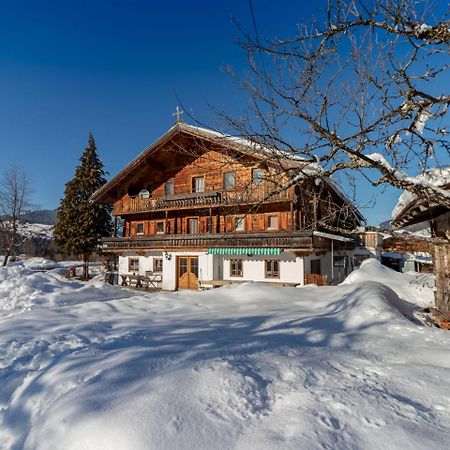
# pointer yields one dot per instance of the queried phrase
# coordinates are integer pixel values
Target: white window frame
(239, 223)
(233, 185)
(137, 228)
(257, 180)
(163, 227)
(195, 188)
(275, 216)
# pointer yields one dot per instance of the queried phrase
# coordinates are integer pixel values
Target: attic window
(239, 224)
(144, 193)
(257, 176)
(229, 180)
(168, 187)
(198, 184)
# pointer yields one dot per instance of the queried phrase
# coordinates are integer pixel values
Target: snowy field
(91, 366)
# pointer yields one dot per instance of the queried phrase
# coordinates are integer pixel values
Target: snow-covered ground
(91, 366)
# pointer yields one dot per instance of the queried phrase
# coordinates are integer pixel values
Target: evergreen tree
(81, 223)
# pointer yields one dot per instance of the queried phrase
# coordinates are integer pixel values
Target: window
(272, 222)
(229, 180)
(157, 265)
(340, 261)
(315, 267)
(192, 226)
(140, 228)
(236, 268)
(257, 176)
(133, 265)
(198, 184)
(272, 268)
(160, 226)
(169, 187)
(239, 224)
(209, 225)
(144, 193)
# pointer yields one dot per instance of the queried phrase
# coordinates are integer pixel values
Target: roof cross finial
(178, 113)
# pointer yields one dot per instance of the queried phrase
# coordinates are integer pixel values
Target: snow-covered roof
(422, 257)
(436, 177)
(411, 210)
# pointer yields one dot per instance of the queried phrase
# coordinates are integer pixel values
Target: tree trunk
(442, 271)
(85, 258)
(5, 260)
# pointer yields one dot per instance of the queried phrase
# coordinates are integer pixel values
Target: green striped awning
(245, 251)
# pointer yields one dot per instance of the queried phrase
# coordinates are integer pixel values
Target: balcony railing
(201, 199)
(288, 239)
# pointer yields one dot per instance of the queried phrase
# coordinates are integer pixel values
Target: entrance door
(187, 272)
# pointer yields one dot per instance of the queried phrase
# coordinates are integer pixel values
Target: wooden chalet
(204, 209)
(422, 210)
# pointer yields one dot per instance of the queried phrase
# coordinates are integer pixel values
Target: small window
(315, 267)
(272, 222)
(198, 184)
(341, 261)
(140, 228)
(272, 268)
(133, 265)
(209, 225)
(257, 176)
(160, 226)
(229, 180)
(236, 268)
(169, 187)
(193, 226)
(157, 265)
(144, 193)
(239, 224)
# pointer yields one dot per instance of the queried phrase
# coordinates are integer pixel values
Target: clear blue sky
(115, 68)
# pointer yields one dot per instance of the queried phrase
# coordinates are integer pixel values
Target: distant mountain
(44, 216)
(386, 225)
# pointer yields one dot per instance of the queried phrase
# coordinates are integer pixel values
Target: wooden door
(187, 271)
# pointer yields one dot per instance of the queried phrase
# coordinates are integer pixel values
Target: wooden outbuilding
(422, 210)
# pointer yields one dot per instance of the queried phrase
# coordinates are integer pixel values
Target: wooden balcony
(200, 200)
(302, 240)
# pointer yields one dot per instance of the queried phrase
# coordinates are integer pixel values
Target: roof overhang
(418, 211)
(332, 237)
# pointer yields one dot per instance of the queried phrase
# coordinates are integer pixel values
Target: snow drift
(86, 366)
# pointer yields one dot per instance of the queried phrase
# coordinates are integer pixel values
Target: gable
(179, 148)
(183, 145)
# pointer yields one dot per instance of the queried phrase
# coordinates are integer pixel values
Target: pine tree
(81, 223)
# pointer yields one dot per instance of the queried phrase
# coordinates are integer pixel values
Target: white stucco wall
(291, 268)
(145, 262)
(217, 267)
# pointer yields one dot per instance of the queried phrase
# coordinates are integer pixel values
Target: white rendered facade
(217, 268)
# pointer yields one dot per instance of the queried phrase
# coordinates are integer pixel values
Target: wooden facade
(159, 195)
(195, 190)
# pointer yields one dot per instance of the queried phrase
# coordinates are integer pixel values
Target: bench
(141, 281)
